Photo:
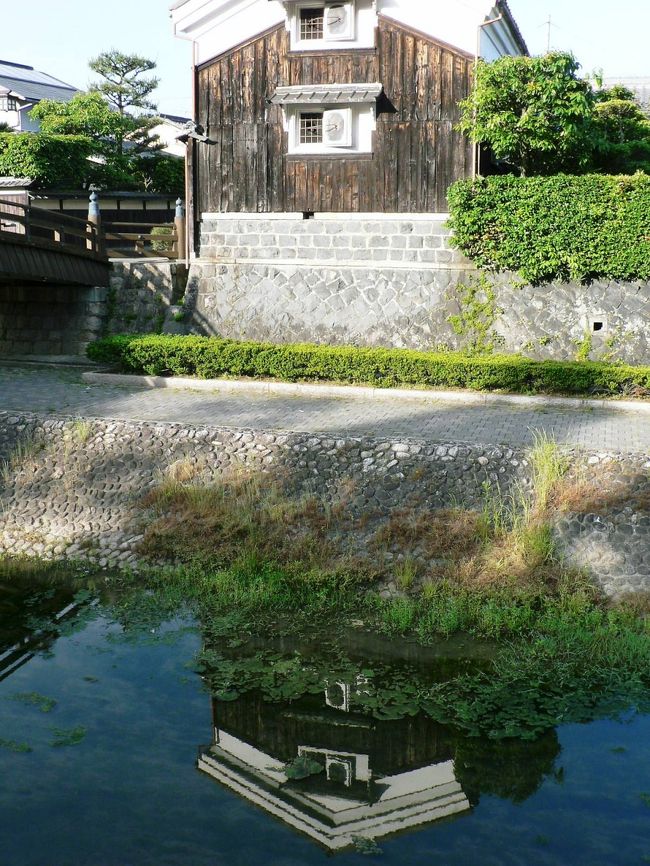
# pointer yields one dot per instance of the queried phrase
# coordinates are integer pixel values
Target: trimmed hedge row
(555, 228)
(210, 357)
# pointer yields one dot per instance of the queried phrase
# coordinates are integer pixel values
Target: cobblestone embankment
(74, 488)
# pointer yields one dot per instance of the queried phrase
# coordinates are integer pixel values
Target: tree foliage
(85, 114)
(90, 114)
(123, 84)
(124, 154)
(533, 112)
(624, 145)
(537, 115)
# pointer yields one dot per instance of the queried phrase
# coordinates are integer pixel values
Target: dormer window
(316, 25)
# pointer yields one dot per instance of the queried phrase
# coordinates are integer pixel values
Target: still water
(118, 749)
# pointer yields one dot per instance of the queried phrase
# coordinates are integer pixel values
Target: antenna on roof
(549, 24)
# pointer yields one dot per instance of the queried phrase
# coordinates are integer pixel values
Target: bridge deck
(39, 246)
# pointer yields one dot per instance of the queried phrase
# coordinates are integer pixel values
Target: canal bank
(77, 487)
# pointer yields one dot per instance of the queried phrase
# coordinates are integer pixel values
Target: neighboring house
(169, 131)
(640, 87)
(21, 88)
(312, 106)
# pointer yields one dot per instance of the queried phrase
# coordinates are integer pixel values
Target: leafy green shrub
(47, 159)
(555, 228)
(211, 357)
(163, 245)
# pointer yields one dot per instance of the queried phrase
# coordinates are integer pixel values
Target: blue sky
(60, 38)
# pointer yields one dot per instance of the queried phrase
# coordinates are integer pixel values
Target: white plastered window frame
(359, 122)
(332, 38)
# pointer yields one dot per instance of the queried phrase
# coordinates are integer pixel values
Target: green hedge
(210, 357)
(47, 159)
(555, 228)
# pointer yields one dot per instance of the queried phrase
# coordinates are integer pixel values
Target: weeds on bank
(260, 546)
(249, 523)
(22, 454)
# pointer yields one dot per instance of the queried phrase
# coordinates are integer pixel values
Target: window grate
(312, 23)
(311, 129)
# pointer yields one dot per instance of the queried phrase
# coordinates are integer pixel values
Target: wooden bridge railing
(22, 223)
(143, 239)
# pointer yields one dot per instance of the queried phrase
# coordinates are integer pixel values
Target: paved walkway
(61, 391)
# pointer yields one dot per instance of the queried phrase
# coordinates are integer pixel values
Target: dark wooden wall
(417, 152)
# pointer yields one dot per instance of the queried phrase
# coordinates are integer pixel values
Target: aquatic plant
(34, 699)
(13, 746)
(68, 736)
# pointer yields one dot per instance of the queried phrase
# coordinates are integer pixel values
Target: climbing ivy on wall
(555, 228)
(477, 314)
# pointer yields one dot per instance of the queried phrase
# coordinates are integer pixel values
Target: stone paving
(62, 392)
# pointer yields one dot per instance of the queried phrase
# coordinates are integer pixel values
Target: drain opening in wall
(598, 325)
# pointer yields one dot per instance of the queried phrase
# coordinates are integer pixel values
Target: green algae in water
(68, 736)
(34, 699)
(13, 746)
(366, 845)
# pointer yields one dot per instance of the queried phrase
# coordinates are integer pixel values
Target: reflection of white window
(340, 767)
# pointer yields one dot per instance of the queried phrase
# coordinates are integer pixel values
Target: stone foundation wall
(74, 488)
(39, 319)
(362, 280)
(141, 294)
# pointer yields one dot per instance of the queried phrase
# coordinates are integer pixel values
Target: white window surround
(356, 103)
(362, 120)
(359, 34)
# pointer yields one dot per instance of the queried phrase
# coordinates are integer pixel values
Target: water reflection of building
(377, 778)
(30, 623)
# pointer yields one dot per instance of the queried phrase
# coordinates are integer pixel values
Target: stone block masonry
(40, 319)
(141, 293)
(392, 281)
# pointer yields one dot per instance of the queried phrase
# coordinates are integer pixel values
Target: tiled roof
(15, 182)
(331, 94)
(32, 84)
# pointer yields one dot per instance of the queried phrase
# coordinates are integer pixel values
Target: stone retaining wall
(76, 485)
(39, 319)
(73, 488)
(392, 282)
(142, 293)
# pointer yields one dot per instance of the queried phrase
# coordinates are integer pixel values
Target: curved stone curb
(356, 392)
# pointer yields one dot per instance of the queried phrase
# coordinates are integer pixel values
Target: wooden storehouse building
(307, 106)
